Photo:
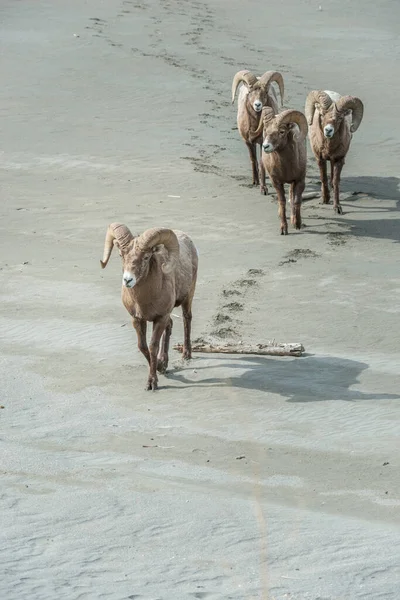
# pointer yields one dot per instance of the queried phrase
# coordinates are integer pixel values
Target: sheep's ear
(168, 267)
(293, 129)
(318, 106)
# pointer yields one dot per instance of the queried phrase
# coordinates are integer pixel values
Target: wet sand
(242, 477)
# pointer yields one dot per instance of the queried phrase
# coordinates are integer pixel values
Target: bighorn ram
(159, 273)
(284, 156)
(254, 94)
(333, 119)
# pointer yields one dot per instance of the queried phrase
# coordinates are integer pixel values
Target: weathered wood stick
(309, 195)
(270, 349)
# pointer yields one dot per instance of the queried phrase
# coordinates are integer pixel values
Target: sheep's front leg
(159, 326)
(336, 171)
(254, 163)
(297, 189)
(324, 181)
(162, 359)
(280, 190)
(140, 326)
(263, 186)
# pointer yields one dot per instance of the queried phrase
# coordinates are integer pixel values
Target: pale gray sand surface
(243, 477)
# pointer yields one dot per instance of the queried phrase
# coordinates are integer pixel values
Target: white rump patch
(243, 92)
(273, 93)
(334, 96)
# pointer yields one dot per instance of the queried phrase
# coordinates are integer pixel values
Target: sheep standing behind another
(159, 273)
(254, 94)
(332, 119)
(284, 156)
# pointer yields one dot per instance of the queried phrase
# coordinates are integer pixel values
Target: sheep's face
(135, 265)
(257, 98)
(275, 137)
(331, 120)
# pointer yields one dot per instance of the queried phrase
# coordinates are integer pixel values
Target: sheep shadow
(378, 189)
(305, 379)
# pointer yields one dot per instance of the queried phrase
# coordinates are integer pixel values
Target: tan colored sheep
(284, 156)
(254, 94)
(332, 119)
(159, 273)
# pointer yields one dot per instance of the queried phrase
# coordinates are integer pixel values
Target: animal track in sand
(233, 306)
(337, 238)
(226, 313)
(221, 318)
(294, 255)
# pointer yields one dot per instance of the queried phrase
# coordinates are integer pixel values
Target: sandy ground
(242, 478)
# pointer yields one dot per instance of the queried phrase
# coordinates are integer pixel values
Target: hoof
(152, 384)
(338, 209)
(186, 355)
(162, 366)
(263, 191)
(295, 222)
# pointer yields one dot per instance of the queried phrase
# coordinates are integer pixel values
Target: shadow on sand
(305, 379)
(378, 189)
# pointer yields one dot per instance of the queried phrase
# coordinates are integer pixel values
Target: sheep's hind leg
(337, 169)
(162, 359)
(324, 181)
(254, 163)
(187, 325)
(141, 327)
(280, 191)
(296, 192)
(159, 327)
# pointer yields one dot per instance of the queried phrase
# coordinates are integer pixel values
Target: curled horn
(313, 98)
(242, 76)
(354, 104)
(269, 77)
(116, 232)
(266, 115)
(160, 235)
(294, 116)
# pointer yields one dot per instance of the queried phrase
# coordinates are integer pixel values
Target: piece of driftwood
(310, 195)
(271, 349)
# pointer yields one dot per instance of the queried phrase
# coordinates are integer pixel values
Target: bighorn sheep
(159, 273)
(284, 156)
(332, 119)
(254, 94)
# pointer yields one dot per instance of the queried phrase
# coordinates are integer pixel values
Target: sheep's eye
(281, 132)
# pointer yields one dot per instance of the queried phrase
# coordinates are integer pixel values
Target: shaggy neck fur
(338, 145)
(286, 164)
(147, 299)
